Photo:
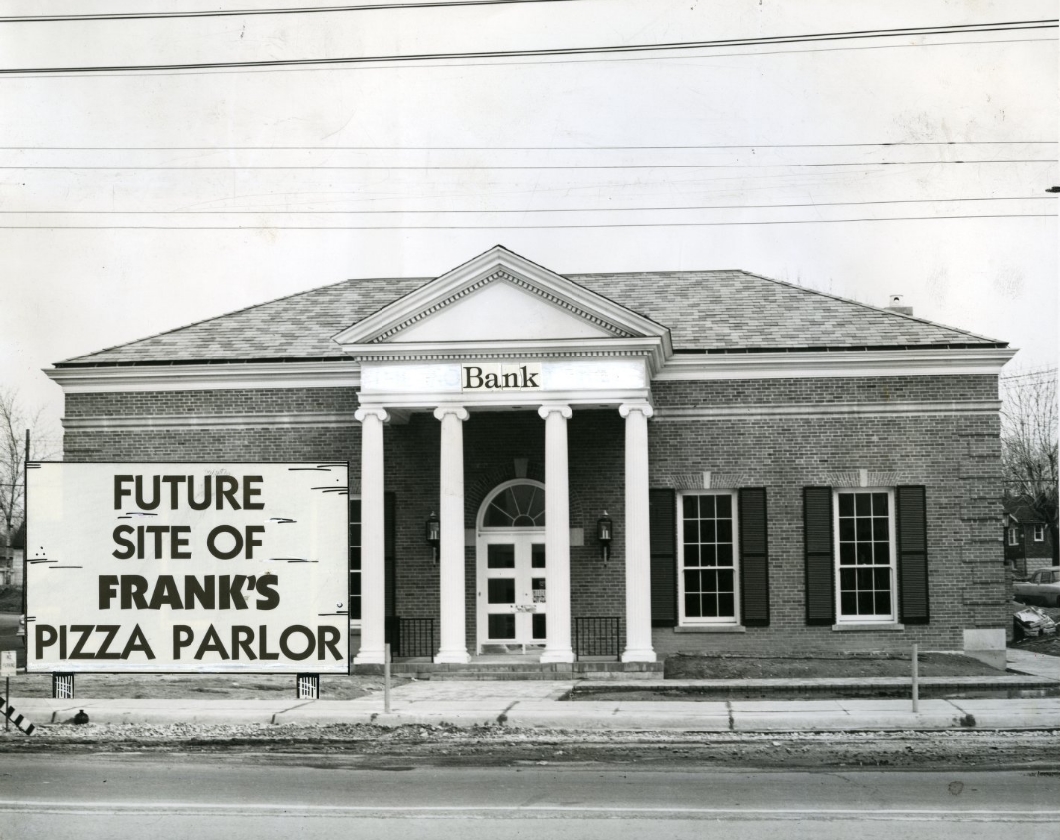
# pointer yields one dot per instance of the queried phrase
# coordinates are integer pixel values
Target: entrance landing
(497, 666)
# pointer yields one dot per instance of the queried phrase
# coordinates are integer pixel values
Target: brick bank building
(565, 468)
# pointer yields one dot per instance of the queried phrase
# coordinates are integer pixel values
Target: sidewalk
(537, 704)
(540, 704)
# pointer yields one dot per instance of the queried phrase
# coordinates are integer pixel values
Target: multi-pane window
(865, 555)
(355, 561)
(1039, 533)
(518, 506)
(1013, 537)
(707, 562)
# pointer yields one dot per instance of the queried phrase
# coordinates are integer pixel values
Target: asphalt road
(263, 795)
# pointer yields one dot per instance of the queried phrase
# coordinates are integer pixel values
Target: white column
(373, 608)
(638, 543)
(557, 535)
(453, 647)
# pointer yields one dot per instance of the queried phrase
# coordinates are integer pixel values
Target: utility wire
(526, 148)
(249, 12)
(323, 68)
(281, 212)
(554, 51)
(435, 168)
(529, 227)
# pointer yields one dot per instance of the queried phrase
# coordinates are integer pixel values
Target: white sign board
(178, 568)
(8, 666)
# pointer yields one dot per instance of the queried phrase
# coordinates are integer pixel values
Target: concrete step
(520, 670)
(444, 676)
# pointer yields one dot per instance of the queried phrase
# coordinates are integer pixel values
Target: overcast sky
(190, 215)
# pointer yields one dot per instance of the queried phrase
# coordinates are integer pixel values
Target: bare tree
(14, 421)
(1029, 444)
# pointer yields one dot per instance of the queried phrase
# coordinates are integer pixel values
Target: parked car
(1042, 588)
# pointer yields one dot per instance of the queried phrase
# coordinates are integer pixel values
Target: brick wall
(956, 457)
(873, 389)
(219, 402)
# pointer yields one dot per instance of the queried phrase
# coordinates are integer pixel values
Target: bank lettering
(498, 377)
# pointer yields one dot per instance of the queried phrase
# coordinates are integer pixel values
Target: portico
(499, 335)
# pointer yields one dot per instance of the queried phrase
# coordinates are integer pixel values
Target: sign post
(7, 670)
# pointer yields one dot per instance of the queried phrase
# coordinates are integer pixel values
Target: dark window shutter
(662, 510)
(389, 507)
(820, 567)
(911, 505)
(754, 558)
(355, 559)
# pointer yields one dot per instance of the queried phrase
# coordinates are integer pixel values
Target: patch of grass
(834, 666)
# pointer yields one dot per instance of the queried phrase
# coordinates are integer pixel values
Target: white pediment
(501, 305)
(500, 310)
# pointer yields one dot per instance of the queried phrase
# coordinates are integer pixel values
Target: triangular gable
(499, 296)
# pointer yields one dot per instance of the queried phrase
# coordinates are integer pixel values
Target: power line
(1037, 374)
(554, 51)
(529, 227)
(526, 148)
(250, 12)
(518, 167)
(61, 74)
(282, 212)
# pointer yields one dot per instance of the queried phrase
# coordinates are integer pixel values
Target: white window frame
(725, 621)
(1039, 533)
(355, 623)
(893, 554)
(1013, 537)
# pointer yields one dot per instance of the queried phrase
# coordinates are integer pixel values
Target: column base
(370, 657)
(561, 656)
(452, 657)
(641, 655)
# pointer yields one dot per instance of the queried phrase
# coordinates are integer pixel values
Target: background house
(1028, 543)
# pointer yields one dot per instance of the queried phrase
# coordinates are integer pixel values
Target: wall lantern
(604, 530)
(434, 534)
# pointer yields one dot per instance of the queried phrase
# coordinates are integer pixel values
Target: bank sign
(177, 568)
(501, 377)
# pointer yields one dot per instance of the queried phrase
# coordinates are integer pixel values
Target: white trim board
(346, 373)
(839, 363)
(308, 419)
(341, 373)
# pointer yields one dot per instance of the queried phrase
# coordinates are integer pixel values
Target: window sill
(869, 625)
(711, 628)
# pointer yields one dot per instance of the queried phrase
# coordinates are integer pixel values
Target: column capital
(371, 411)
(563, 409)
(457, 410)
(643, 408)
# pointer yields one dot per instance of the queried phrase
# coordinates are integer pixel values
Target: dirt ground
(408, 746)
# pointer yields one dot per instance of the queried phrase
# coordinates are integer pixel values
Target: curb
(720, 717)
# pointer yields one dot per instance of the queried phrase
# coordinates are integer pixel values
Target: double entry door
(512, 590)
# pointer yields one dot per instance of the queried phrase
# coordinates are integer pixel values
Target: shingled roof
(706, 312)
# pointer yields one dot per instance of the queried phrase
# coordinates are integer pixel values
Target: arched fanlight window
(520, 505)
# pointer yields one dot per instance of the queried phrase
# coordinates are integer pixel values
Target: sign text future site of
(187, 568)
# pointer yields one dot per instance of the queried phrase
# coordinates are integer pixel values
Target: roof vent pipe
(897, 304)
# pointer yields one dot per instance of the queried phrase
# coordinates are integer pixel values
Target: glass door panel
(514, 594)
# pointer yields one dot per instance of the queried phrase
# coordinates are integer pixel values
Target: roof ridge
(879, 309)
(212, 318)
